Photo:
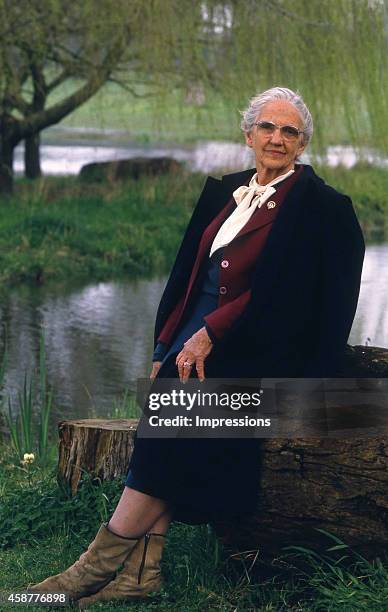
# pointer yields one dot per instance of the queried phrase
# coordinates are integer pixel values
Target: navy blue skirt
(202, 479)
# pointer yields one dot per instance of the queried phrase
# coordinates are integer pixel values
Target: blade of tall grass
(13, 426)
(4, 363)
(25, 407)
(45, 402)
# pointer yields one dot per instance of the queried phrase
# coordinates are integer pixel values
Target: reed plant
(4, 364)
(45, 403)
(21, 425)
(125, 407)
(29, 423)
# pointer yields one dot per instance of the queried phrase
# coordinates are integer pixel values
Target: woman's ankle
(122, 533)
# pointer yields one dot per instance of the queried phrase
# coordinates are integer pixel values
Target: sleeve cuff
(210, 333)
(160, 351)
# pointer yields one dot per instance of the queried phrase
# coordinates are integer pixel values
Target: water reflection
(99, 337)
(207, 157)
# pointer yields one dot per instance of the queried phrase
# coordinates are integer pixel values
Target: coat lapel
(278, 240)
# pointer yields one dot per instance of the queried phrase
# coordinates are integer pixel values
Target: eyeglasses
(288, 132)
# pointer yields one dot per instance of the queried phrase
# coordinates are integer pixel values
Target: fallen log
(308, 486)
(338, 486)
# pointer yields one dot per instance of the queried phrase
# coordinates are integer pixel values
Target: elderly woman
(265, 284)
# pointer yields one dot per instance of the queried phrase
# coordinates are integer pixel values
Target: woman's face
(274, 155)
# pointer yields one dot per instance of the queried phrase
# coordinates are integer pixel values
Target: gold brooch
(271, 204)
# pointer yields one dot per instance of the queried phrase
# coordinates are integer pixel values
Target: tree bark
(6, 166)
(9, 138)
(32, 167)
(98, 447)
(339, 485)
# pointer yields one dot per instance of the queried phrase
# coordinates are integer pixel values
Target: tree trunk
(32, 168)
(6, 166)
(98, 447)
(339, 485)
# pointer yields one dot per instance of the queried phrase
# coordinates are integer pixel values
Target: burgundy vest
(239, 260)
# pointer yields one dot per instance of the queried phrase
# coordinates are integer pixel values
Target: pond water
(99, 337)
(65, 151)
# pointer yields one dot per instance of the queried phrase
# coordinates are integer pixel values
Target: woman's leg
(137, 513)
(141, 573)
(162, 524)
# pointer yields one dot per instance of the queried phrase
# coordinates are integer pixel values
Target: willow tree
(73, 47)
(333, 51)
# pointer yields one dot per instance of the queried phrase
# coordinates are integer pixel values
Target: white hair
(257, 103)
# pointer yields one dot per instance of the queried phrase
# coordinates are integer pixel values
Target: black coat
(304, 297)
(305, 287)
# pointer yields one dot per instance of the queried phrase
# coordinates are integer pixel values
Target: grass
(125, 407)
(60, 228)
(28, 425)
(44, 530)
(368, 188)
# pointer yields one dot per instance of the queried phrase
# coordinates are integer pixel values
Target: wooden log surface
(339, 485)
(99, 447)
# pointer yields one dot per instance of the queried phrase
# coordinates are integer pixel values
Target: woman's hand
(155, 369)
(194, 352)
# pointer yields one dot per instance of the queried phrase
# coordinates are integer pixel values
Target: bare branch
(61, 78)
(124, 85)
(54, 114)
(274, 5)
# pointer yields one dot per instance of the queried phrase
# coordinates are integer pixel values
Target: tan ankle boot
(139, 576)
(94, 569)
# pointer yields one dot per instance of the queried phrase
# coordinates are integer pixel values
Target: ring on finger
(187, 364)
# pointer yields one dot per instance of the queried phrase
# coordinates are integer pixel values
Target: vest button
(223, 290)
(224, 263)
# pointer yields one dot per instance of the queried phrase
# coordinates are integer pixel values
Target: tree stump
(336, 485)
(99, 447)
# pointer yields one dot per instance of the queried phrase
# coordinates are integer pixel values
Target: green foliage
(33, 508)
(61, 228)
(149, 119)
(45, 403)
(66, 229)
(53, 55)
(44, 530)
(21, 426)
(29, 430)
(333, 52)
(349, 582)
(4, 363)
(368, 188)
(125, 407)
